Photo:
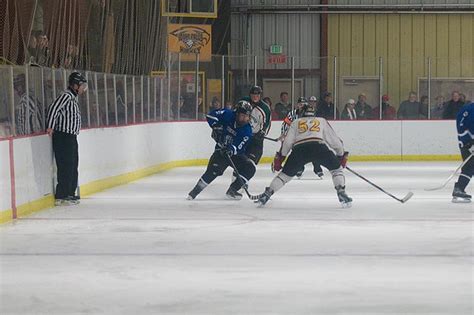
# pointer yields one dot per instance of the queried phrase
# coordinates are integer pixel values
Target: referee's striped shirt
(28, 116)
(64, 114)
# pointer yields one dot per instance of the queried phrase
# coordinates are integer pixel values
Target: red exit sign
(276, 59)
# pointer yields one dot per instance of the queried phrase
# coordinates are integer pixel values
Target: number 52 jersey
(307, 129)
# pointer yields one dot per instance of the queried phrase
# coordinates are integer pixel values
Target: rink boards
(117, 155)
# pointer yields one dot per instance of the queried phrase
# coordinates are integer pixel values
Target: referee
(64, 123)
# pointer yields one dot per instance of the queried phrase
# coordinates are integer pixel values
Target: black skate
(299, 174)
(344, 199)
(197, 189)
(460, 196)
(264, 197)
(233, 194)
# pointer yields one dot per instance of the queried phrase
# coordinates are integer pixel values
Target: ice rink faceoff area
(143, 248)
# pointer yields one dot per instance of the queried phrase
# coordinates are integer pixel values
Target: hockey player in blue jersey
(465, 126)
(232, 132)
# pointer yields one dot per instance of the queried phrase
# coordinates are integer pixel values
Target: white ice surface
(143, 249)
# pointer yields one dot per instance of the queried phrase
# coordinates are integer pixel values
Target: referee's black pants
(67, 160)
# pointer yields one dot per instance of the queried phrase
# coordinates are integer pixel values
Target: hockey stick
(451, 176)
(212, 117)
(403, 200)
(251, 197)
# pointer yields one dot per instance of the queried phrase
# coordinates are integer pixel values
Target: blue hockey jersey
(235, 137)
(465, 124)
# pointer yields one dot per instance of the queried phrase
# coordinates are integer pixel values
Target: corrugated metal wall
(298, 34)
(404, 42)
(385, 2)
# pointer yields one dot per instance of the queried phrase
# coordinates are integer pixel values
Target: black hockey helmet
(76, 78)
(302, 99)
(307, 111)
(255, 90)
(243, 107)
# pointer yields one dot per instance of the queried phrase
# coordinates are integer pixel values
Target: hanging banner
(190, 39)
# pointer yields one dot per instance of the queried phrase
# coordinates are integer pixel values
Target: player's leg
(216, 167)
(255, 150)
(459, 193)
(246, 169)
(317, 169)
(296, 160)
(330, 161)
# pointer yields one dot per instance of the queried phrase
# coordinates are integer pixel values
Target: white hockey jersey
(308, 129)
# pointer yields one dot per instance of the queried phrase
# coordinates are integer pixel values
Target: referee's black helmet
(76, 78)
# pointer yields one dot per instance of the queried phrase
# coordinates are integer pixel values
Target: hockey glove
(470, 146)
(343, 159)
(229, 150)
(217, 131)
(259, 135)
(277, 162)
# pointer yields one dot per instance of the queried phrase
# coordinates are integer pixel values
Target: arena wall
(114, 156)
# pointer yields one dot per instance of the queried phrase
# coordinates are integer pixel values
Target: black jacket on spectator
(326, 110)
(282, 110)
(451, 109)
(409, 110)
(363, 111)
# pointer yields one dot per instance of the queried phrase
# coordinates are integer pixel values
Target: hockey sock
(462, 182)
(279, 181)
(338, 177)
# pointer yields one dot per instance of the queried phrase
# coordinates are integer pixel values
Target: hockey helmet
(302, 99)
(255, 90)
(243, 107)
(76, 78)
(313, 99)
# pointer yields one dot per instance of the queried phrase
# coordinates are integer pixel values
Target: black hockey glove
(229, 150)
(259, 135)
(217, 131)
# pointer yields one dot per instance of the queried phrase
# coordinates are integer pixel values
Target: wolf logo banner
(190, 39)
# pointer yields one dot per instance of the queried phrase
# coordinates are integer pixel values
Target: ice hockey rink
(142, 248)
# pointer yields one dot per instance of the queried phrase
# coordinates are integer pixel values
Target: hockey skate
(344, 199)
(233, 194)
(299, 174)
(196, 190)
(460, 196)
(264, 197)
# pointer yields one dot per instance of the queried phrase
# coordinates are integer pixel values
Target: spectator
(228, 105)
(363, 110)
(28, 113)
(409, 109)
(42, 50)
(438, 108)
(326, 107)
(388, 111)
(349, 112)
(268, 100)
(313, 102)
(453, 106)
(462, 97)
(215, 103)
(283, 107)
(424, 104)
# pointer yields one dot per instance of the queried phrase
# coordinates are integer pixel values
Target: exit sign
(276, 49)
(276, 59)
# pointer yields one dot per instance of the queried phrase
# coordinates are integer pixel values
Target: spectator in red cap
(388, 111)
